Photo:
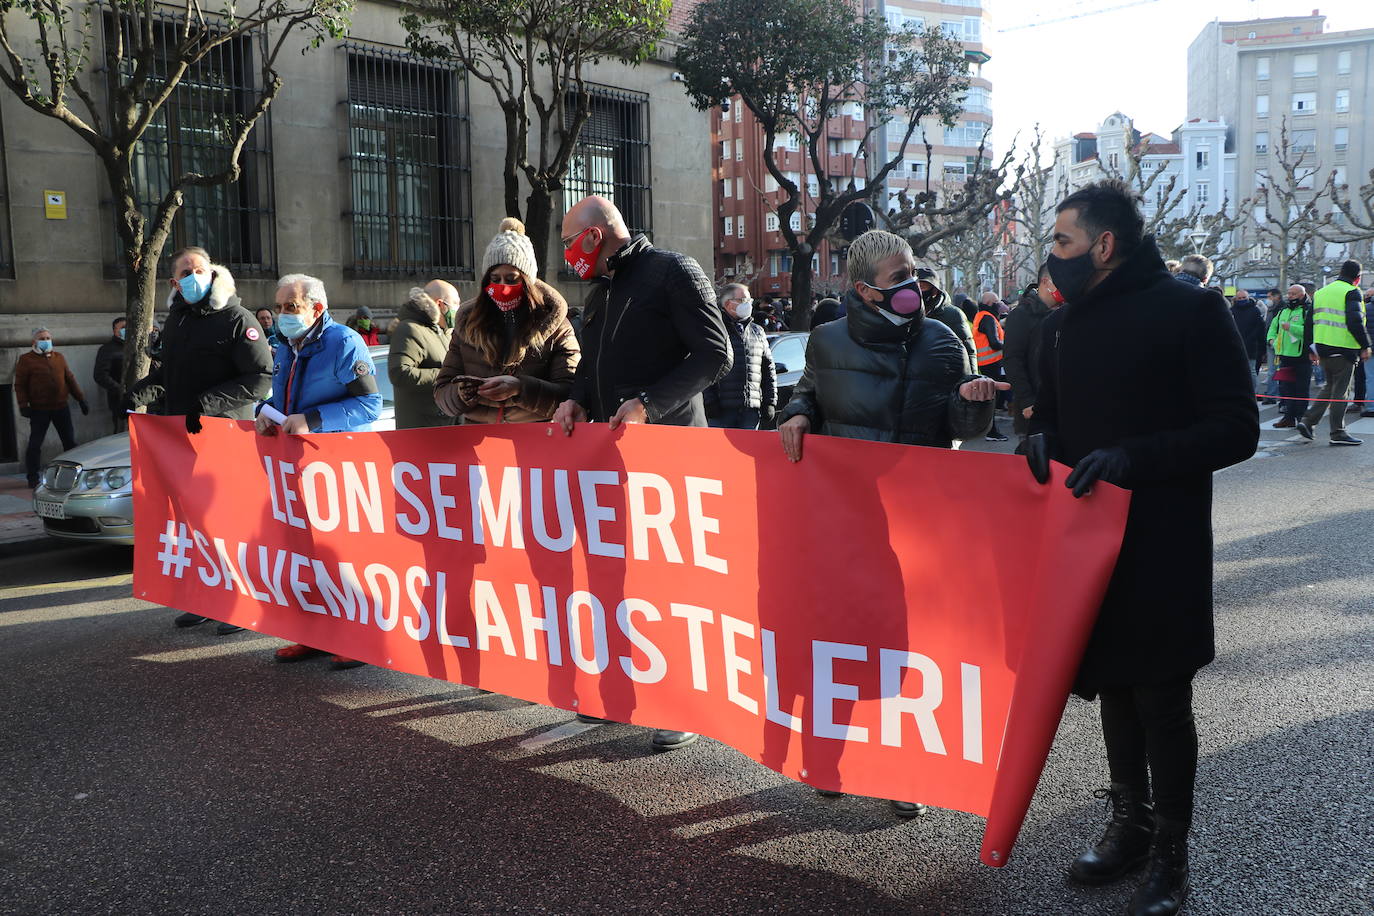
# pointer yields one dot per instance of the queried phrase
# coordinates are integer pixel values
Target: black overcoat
(1155, 367)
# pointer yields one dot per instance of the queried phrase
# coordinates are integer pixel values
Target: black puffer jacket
(1021, 349)
(652, 328)
(752, 380)
(214, 359)
(1250, 323)
(867, 378)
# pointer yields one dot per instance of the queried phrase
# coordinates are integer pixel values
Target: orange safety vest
(986, 354)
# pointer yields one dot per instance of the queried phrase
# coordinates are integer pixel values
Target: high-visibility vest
(1288, 342)
(986, 354)
(1328, 316)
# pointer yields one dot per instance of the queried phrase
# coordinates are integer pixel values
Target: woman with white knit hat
(513, 353)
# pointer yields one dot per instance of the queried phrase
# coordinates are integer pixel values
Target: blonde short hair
(870, 249)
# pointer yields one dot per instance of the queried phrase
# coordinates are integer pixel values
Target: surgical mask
(902, 300)
(42, 346)
(121, 333)
(194, 287)
(292, 326)
(742, 309)
(1071, 275)
(583, 262)
(507, 296)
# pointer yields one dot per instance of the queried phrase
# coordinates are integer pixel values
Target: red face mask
(506, 295)
(582, 262)
(1057, 296)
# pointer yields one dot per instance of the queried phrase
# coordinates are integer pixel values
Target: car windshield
(378, 355)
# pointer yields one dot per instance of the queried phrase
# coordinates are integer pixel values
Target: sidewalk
(19, 524)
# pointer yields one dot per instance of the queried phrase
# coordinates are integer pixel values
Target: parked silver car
(86, 494)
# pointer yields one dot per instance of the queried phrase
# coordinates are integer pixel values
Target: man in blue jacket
(323, 380)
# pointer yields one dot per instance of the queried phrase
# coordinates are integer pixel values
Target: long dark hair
(480, 325)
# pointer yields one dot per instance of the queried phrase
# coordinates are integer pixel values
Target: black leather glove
(193, 422)
(766, 417)
(1038, 456)
(25, 412)
(1110, 465)
(85, 408)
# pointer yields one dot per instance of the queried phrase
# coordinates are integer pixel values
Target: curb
(43, 543)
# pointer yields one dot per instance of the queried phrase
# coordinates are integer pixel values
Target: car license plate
(49, 510)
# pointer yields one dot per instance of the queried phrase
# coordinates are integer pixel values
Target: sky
(1070, 75)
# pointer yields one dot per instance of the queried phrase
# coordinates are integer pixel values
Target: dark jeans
(117, 416)
(738, 418)
(1335, 394)
(1301, 388)
(39, 420)
(1152, 743)
(994, 371)
(1361, 383)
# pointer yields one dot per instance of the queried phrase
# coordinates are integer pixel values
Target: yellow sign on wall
(55, 204)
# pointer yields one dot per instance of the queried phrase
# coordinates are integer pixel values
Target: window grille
(410, 201)
(612, 156)
(193, 132)
(6, 245)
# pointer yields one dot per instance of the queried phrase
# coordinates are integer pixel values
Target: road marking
(68, 612)
(558, 733)
(213, 651)
(27, 591)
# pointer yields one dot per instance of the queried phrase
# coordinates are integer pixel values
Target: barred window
(193, 132)
(612, 156)
(409, 165)
(6, 246)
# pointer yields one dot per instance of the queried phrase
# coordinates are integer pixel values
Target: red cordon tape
(1275, 397)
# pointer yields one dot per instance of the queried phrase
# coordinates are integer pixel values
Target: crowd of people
(893, 359)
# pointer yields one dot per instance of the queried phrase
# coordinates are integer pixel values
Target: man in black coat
(652, 335)
(1021, 351)
(746, 397)
(1173, 404)
(109, 373)
(1249, 318)
(653, 338)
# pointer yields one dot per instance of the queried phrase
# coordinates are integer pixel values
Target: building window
(1261, 179)
(834, 264)
(1342, 99)
(612, 156)
(739, 227)
(813, 186)
(1343, 62)
(1340, 137)
(739, 189)
(729, 227)
(770, 222)
(770, 184)
(1262, 142)
(739, 149)
(978, 100)
(1304, 65)
(1305, 102)
(190, 133)
(917, 169)
(1338, 177)
(1204, 157)
(794, 221)
(724, 150)
(1304, 141)
(956, 171)
(1261, 106)
(774, 261)
(6, 245)
(1202, 191)
(739, 113)
(786, 264)
(1262, 68)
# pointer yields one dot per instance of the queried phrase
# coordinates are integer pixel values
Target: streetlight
(1001, 255)
(1197, 237)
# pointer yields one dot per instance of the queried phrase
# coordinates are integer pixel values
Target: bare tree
(1219, 235)
(1031, 216)
(535, 54)
(1151, 180)
(148, 49)
(1289, 211)
(969, 252)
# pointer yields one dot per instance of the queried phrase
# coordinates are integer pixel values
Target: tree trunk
(538, 216)
(801, 291)
(140, 294)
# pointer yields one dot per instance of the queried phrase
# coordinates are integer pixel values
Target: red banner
(847, 621)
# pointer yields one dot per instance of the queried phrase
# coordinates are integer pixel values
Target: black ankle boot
(1166, 883)
(1125, 844)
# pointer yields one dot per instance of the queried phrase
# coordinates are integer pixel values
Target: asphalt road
(145, 769)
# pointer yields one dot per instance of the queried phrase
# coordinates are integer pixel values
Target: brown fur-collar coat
(543, 357)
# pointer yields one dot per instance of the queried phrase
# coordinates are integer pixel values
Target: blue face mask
(121, 333)
(194, 287)
(43, 345)
(292, 326)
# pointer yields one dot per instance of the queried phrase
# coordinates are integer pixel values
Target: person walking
(1341, 341)
(109, 373)
(1290, 338)
(419, 342)
(1022, 350)
(513, 353)
(988, 344)
(747, 397)
(653, 337)
(1161, 432)
(323, 381)
(43, 384)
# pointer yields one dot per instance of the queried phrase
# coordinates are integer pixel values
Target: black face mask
(1071, 275)
(1294, 303)
(903, 300)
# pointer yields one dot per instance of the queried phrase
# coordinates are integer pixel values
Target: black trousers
(736, 418)
(1301, 387)
(39, 420)
(1152, 743)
